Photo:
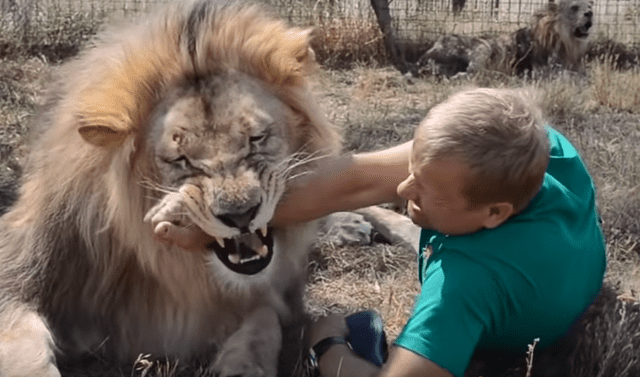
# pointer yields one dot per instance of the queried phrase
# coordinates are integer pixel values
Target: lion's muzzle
(582, 31)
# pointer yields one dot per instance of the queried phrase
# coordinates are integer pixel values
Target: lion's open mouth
(582, 31)
(247, 254)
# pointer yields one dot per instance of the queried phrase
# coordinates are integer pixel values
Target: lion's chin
(246, 254)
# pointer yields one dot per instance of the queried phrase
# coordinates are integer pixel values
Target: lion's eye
(257, 139)
(257, 142)
(185, 165)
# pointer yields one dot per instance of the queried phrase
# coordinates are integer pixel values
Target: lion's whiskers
(301, 174)
(157, 187)
(299, 159)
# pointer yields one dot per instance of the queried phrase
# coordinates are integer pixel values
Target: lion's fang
(264, 251)
(220, 241)
(263, 231)
(234, 258)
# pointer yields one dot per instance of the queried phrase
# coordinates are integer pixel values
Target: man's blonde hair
(499, 134)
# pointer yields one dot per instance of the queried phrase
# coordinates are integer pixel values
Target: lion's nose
(240, 220)
(589, 14)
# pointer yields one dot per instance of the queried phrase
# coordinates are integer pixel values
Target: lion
(557, 37)
(200, 116)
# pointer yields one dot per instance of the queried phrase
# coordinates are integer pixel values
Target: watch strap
(323, 346)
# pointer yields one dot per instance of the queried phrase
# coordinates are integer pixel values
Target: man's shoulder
(565, 163)
(559, 144)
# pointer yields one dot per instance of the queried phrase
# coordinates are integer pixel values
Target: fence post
(381, 9)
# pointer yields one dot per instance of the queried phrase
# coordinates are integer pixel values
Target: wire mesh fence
(617, 20)
(413, 20)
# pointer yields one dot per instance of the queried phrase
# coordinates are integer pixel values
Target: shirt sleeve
(459, 301)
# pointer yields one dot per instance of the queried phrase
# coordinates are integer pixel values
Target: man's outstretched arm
(345, 183)
(348, 183)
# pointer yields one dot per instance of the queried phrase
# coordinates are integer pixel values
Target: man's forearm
(347, 183)
(319, 193)
(380, 173)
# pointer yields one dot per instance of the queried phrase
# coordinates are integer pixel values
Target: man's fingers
(190, 239)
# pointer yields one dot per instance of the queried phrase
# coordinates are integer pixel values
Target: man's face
(435, 199)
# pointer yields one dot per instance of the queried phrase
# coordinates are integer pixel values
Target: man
(511, 246)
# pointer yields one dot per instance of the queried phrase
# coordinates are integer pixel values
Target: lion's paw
(27, 346)
(241, 362)
(240, 368)
(252, 350)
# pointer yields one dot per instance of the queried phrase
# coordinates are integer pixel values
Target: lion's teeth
(264, 250)
(234, 258)
(220, 241)
(263, 231)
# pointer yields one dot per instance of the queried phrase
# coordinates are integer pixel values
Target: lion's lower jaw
(286, 269)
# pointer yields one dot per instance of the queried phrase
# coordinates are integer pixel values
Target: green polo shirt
(529, 278)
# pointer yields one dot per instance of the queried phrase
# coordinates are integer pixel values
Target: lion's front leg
(26, 345)
(253, 350)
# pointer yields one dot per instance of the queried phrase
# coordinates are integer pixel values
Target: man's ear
(497, 213)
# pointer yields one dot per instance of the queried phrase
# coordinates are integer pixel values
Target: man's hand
(340, 360)
(189, 238)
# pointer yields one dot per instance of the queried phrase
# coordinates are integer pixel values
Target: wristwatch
(316, 352)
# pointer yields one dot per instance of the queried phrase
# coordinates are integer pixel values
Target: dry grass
(52, 34)
(376, 108)
(20, 85)
(615, 90)
(351, 278)
(341, 42)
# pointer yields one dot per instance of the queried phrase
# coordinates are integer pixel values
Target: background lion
(200, 116)
(558, 36)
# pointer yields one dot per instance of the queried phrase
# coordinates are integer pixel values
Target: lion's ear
(284, 57)
(301, 51)
(102, 136)
(110, 108)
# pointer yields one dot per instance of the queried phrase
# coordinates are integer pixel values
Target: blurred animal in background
(200, 116)
(558, 37)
